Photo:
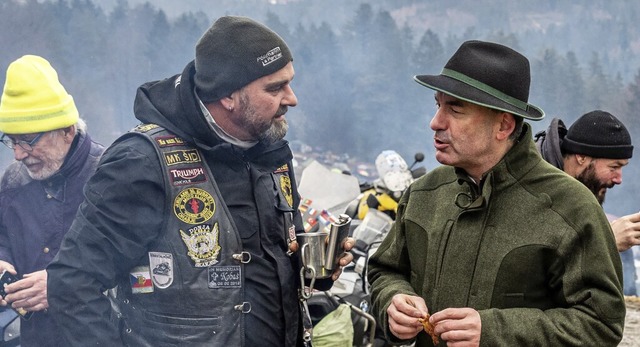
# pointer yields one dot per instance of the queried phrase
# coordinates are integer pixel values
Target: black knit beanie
(234, 52)
(598, 134)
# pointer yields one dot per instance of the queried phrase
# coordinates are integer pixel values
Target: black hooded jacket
(549, 143)
(125, 211)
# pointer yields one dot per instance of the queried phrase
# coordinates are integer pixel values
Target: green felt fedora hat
(487, 74)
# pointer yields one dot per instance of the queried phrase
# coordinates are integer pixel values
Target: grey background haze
(354, 61)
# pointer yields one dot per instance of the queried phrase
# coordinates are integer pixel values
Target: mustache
(282, 110)
(30, 161)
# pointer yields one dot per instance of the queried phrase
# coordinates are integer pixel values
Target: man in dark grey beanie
(193, 214)
(594, 150)
(234, 52)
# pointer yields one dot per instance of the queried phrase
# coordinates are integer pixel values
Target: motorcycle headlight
(12, 331)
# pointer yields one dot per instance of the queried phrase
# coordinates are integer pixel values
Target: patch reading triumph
(193, 175)
(143, 128)
(168, 141)
(225, 276)
(140, 280)
(194, 206)
(185, 156)
(161, 265)
(202, 244)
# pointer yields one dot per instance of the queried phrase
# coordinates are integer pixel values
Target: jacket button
(49, 196)
(45, 250)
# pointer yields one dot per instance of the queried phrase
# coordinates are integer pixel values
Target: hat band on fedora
(485, 88)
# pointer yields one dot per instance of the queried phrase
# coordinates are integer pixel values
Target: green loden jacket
(531, 250)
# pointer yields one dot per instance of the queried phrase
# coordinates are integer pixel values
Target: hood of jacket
(172, 104)
(548, 143)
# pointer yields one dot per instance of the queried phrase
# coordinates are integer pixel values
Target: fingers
(410, 305)
(345, 259)
(336, 273)
(348, 244)
(626, 231)
(404, 332)
(450, 313)
(7, 266)
(403, 313)
(35, 303)
(457, 325)
(29, 293)
(634, 217)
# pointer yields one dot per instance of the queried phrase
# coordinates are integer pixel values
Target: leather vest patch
(202, 242)
(194, 206)
(161, 265)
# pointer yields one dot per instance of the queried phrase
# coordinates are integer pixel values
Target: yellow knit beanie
(33, 99)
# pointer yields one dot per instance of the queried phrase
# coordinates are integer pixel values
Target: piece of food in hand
(429, 329)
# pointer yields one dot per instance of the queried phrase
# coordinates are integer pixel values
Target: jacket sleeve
(389, 272)
(120, 216)
(6, 182)
(5, 250)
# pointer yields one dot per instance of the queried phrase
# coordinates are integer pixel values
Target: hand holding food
(429, 329)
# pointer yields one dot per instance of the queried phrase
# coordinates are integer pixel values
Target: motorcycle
(394, 177)
(377, 206)
(327, 194)
(372, 207)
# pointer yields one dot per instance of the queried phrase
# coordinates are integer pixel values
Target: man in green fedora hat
(495, 247)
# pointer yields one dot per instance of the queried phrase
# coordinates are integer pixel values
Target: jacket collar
(75, 160)
(518, 161)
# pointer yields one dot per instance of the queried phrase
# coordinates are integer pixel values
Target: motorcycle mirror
(417, 158)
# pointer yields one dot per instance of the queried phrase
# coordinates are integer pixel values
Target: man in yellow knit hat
(39, 192)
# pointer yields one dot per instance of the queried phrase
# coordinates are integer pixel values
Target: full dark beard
(590, 180)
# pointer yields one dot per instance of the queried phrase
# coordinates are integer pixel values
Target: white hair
(81, 126)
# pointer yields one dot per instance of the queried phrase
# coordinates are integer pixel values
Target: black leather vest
(189, 288)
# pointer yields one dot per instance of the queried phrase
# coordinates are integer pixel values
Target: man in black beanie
(594, 150)
(193, 214)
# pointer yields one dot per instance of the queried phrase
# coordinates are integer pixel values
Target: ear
(507, 124)
(69, 133)
(228, 103)
(580, 159)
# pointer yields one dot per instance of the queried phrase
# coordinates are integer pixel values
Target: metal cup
(314, 246)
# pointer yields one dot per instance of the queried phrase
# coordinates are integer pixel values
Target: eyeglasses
(26, 145)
